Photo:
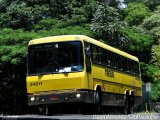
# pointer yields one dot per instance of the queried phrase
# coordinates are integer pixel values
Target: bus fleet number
(35, 83)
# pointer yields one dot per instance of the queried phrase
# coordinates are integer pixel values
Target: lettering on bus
(109, 73)
(36, 84)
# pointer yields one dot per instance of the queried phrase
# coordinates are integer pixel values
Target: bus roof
(83, 38)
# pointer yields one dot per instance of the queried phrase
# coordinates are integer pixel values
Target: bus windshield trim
(59, 57)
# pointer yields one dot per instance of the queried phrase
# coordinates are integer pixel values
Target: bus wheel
(131, 104)
(125, 108)
(97, 99)
(130, 111)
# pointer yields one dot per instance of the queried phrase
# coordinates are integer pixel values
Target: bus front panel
(55, 70)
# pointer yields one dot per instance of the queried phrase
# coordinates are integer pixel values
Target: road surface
(139, 116)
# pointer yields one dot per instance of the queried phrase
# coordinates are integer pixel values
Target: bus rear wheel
(128, 106)
(125, 108)
(131, 103)
(98, 100)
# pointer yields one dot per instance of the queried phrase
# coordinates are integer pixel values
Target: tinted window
(118, 61)
(111, 59)
(96, 54)
(107, 58)
(40, 59)
(55, 57)
(136, 68)
(104, 57)
(68, 56)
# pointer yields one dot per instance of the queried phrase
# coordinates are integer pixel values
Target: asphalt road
(139, 116)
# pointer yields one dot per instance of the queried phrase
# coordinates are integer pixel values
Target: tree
(140, 43)
(18, 14)
(155, 93)
(59, 8)
(152, 24)
(155, 60)
(26, 13)
(156, 55)
(106, 25)
(82, 10)
(13, 50)
(111, 3)
(151, 4)
(136, 13)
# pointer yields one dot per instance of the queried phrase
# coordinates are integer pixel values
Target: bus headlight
(32, 99)
(78, 95)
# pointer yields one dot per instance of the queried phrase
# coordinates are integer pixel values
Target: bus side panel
(114, 84)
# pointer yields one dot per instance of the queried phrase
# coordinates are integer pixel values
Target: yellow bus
(76, 68)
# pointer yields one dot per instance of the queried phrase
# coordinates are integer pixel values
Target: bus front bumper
(63, 97)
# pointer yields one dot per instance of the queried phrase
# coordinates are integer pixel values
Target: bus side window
(134, 67)
(130, 66)
(137, 72)
(93, 49)
(125, 64)
(96, 54)
(118, 60)
(104, 56)
(111, 59)
(99, 55)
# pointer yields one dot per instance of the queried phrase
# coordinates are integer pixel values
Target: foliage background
(134, 28)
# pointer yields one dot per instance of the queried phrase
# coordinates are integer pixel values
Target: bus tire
(131, 103)
(97, 100)
(126, 106)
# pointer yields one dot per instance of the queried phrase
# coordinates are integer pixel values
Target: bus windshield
(55, 57)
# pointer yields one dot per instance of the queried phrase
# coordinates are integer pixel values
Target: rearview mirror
(88, 59)
(88, 52)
